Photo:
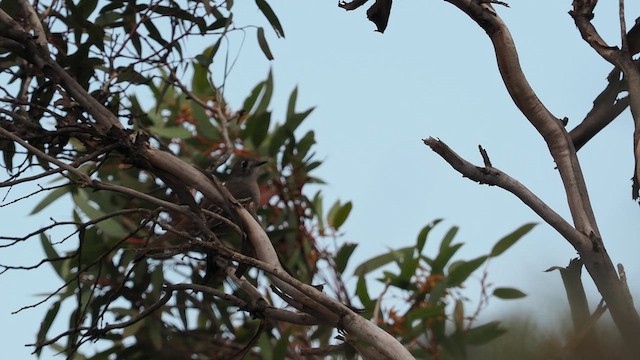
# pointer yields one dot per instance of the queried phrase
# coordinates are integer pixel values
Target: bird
(242, 184)
(243, 181)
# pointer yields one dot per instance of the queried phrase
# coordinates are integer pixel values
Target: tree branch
(582, 14)
(590, 246)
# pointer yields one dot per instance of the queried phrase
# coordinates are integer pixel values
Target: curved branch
(590, 247)
(492, 176)
(582, 14)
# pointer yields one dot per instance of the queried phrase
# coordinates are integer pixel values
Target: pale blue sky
(432, 73)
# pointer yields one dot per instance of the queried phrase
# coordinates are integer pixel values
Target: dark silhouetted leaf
(51, 253)
(379, 13)
(46, 323)
(8, 150)
(271, 16)
(264, 46)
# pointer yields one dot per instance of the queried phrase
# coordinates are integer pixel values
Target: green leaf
(203, 123)
(461, 272)
(380, 260)
(50, 198)
(258, 127)
(108, 18)
(109, 225)
(422, 236)
(206, 58)
(153, 32)
(448, 238)
(250, 101)
(132, 329)
(305, 144)
(174, 132)
(506, 242)
(51, 253)
(408, 269)
(291, 105)
(439, 263)
(271, 16)
(201, 87)
(344, 254)
(277, 140)
(425, 313)
(341, 215)
(318, 209)
(363, 293)
(46, 323)
(267, 92)
(508, 293)
(130, 75)
(332, 212)
(280, 350)
(483, 334)
(264, 46)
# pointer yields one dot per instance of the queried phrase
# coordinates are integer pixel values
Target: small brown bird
(243, 181)
(243, 185)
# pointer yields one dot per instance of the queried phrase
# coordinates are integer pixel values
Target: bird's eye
(244, 164)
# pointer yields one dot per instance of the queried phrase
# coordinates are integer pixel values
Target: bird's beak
(259, 163)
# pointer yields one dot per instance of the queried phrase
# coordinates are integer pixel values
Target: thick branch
(582, 14)
(549, 126)
(337, 314)
(606, 107)
(492, 176)
(588, 246)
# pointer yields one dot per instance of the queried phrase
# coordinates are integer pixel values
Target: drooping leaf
(257, 128)
(508, 293)
(50, 198)
(51, 253)
(264, 45)
(506, 242)
(379, 261)
(461, 272)
(109, 225)
(8, 151)
(448, 238)
(45, 325)
(175, 132)
(267, 92)
(363, 293)
(341, 215)
(343, 255)
(443, 257)
(271, 16)
(422, 236)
